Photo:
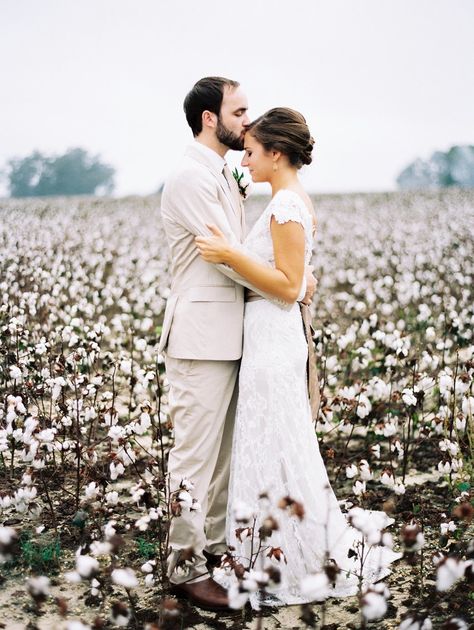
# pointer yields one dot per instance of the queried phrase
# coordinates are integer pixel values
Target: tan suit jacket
(204, 312)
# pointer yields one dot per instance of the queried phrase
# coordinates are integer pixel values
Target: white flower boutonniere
(242, 187)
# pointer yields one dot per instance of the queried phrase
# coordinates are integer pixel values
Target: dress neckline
(287, 190)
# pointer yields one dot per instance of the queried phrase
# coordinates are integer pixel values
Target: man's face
(232, 119)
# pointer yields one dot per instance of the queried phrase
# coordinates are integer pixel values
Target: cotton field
(84, 431)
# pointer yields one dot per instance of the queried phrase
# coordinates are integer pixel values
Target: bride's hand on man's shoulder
(213, 248)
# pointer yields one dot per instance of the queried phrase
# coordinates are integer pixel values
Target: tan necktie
(228, 175)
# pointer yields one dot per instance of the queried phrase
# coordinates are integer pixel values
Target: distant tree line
(452, 168)
(76, 172)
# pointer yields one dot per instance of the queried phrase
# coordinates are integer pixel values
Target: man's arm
(284, 279)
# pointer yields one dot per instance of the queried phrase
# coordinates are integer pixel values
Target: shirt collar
(217, 161)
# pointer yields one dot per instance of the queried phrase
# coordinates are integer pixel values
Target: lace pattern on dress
(275, 450)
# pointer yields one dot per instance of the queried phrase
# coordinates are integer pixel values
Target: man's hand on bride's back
(311, 284)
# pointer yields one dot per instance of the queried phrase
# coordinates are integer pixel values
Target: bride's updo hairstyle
(285, 130)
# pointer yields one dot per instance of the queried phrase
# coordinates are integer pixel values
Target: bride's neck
(283, 179)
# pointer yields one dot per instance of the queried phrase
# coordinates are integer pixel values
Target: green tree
(455, 167)
(74, 173)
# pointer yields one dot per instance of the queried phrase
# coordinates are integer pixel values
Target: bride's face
(257, 159)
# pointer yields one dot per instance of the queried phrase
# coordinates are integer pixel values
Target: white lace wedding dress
(275, 449)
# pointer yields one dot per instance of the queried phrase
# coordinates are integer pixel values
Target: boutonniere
(242, 187)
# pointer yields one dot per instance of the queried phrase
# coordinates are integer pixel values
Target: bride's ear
(276, 156)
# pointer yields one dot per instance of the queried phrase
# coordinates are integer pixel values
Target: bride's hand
(213, 249)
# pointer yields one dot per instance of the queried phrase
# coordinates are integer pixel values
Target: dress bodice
(285, 206)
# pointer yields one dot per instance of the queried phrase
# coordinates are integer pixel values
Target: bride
(282, 512)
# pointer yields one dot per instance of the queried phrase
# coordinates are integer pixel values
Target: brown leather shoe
(206, 594)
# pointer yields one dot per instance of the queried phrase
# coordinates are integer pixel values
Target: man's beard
(228, 138)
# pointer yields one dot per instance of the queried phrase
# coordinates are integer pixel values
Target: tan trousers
(202, 402)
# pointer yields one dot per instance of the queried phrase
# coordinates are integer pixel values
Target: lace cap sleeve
(286, 206)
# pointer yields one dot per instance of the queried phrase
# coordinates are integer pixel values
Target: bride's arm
(284, 280)
(193, 203)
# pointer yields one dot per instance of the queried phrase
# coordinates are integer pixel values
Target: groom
(202, 332)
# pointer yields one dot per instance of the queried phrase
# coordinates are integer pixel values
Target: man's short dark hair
(206, 94)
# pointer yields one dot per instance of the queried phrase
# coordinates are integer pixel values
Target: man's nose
(246, 120)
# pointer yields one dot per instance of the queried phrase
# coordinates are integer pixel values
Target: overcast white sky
(379, 81)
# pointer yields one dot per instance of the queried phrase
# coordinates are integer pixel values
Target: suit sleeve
(194, 204)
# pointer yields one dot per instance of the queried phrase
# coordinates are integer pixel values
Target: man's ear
(209, 119)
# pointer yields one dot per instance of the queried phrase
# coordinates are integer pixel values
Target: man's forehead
(235, 98)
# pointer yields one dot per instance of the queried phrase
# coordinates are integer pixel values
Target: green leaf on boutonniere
(242, 187)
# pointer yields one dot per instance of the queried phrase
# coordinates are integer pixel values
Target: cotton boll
(315, 587)
(447, 527)
(468, 406)
(147, 567)
(363, 521)
(364, 406)
(120, 615)
(399, 488)
(86, 566)
(412, 624)
(126, 366)
(243, 513)
(409, 397)
(15, 372)
(140, 344)
(359, 488)
(100, 548)
(237, 598)
(374, 605)
(351, 471)
(116, 470)
(112, 497)
(387, 479)
(365, 472)
(448, 572)
(125, 578)
(444, 467)
(38, 586)
(430, 334)
(92, 491)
